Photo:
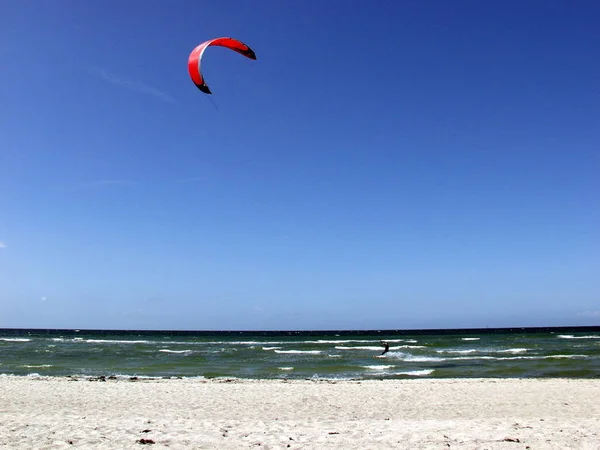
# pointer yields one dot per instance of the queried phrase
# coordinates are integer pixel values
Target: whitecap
(513, 350)
(466, 358)
(417, 373)
(380, 367)
(459, 352)
(342, 347)
(112, 341)
(570, 336)
(300, 352)
(423, 359)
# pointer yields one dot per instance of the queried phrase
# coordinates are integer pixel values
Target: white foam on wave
(570, 336)
(15, 339)
(300, 352)
(380, 367)
(271, 348)
(459, 352)
(471, 339)
(266, 343)
(470, 358)
(285, 368)
(417, 373)
(239, 342)
(513, 350)
(510, 358)
(377, 348)
(358, 341)
(482, 350)
(544, 357)
(412, 358)
(36, 366)
(166, 350)
(113, 341)
(14, 375)
(374, 348)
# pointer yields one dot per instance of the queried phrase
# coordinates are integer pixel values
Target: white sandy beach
(49, 413)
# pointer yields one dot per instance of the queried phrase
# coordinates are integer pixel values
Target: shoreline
(222, 379)
(233, 379)
(228, 413)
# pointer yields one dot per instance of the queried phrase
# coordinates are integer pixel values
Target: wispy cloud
(2, 244)
(589, 313)
(132, 85)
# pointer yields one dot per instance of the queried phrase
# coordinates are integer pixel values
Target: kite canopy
(196, 58)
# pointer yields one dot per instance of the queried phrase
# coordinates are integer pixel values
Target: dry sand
(48, 413)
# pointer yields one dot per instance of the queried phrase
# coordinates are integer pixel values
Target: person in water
(386, 347)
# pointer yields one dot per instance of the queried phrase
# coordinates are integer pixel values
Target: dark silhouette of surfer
(386, 347)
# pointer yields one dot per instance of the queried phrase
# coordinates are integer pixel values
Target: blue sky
(390, 164)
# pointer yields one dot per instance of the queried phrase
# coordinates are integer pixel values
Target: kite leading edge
(195, 58)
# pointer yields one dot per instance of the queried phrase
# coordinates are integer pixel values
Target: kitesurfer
(386, 347)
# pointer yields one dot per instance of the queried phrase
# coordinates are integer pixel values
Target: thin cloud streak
(132, 85)
(589, 314)
(2, 244)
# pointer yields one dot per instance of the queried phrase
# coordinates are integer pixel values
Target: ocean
(329, 355)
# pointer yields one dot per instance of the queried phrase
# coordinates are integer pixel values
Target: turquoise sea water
(549, 352)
